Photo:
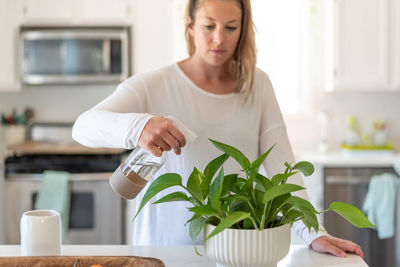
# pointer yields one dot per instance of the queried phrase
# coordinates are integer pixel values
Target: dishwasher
(350, 185)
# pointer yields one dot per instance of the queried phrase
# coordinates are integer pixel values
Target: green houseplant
(244, 201)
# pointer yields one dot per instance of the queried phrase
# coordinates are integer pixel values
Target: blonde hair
(243, 60)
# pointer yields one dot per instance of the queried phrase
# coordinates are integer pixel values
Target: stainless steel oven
(350, 184)
(96, 212)
(71, 55)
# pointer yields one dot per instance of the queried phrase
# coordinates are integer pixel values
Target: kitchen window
(281, 39)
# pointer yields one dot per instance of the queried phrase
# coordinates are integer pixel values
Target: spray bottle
(134, 173)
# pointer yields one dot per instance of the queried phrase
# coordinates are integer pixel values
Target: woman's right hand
(160, 134)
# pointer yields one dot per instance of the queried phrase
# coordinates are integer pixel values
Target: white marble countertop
(351, 159)
(178, 256)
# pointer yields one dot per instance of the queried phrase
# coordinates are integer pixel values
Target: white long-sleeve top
(252, 126)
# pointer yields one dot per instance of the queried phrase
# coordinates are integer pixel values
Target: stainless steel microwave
(74, 55)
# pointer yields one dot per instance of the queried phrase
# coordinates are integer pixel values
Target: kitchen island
(180, 256)
(345, 176)
(352, 159)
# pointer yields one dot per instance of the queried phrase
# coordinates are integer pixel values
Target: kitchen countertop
(36, 147)
(178, 256)
(350, 159)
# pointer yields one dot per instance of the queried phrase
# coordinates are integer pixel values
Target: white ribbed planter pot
(248, 248)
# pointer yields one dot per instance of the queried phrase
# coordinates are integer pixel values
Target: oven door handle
(83, 177)
(351, 180)
(106, 55)
(73, 177)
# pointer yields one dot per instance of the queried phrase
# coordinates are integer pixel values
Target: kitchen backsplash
(304, 130)
(55, 104)
(66, 103)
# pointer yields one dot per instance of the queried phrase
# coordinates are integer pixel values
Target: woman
(218, 93)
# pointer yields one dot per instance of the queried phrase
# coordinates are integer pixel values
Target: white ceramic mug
(41, 233)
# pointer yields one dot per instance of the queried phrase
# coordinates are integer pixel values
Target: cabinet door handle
(107, 55)
(347, 180)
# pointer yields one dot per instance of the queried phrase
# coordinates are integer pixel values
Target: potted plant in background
(246, 217)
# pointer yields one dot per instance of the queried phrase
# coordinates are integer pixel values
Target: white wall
(305, 129)
(61, 103)
(153, 46)
(152, 42)
(1, 199)
(152, 33)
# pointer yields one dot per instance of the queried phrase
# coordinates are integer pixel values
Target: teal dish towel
(380, 203)
(55, 194)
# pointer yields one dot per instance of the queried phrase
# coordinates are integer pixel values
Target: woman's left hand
(336, 246)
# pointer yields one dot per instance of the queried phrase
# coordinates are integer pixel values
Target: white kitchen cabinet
(103, 10)
(48, 10)
(10, 15)
(76, 11)
(395, 43)
(364, 45)
(13, 13)
(2, 199)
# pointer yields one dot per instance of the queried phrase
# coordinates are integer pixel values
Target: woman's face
(216, 30)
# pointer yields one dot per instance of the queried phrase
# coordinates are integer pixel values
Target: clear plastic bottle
(132, 175)
(352, 135)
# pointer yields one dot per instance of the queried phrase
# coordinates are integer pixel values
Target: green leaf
(278, 178)
(305, 207)
(240, 206)
(193, 184)
(256, 164)
(204, 210)
(210, 171)
(287, 164)
(195, 228)
(234, 199)
(213, 166)
(241, 187)
(259, 198)
(234, 153)
(228, 221)
(279, 190)
(237, 202)
(229, 180)
(351, 214)
(307, 224)
(194, 217)
(304, 167)
(175, 196)
(239, 184)
(275, 204)
(259, 187)
(248, 224)
(291, 216)
(215, 191)
(278, 201)
(264, 181)
(162, 182)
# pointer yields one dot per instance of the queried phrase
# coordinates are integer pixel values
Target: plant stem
(323, 211)
(219, 217)
(255, 224)
(269, 204)
(255, 214)
(284, 216)
(279, 209)
(298, 219)
(253, 196)
(263, 217)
